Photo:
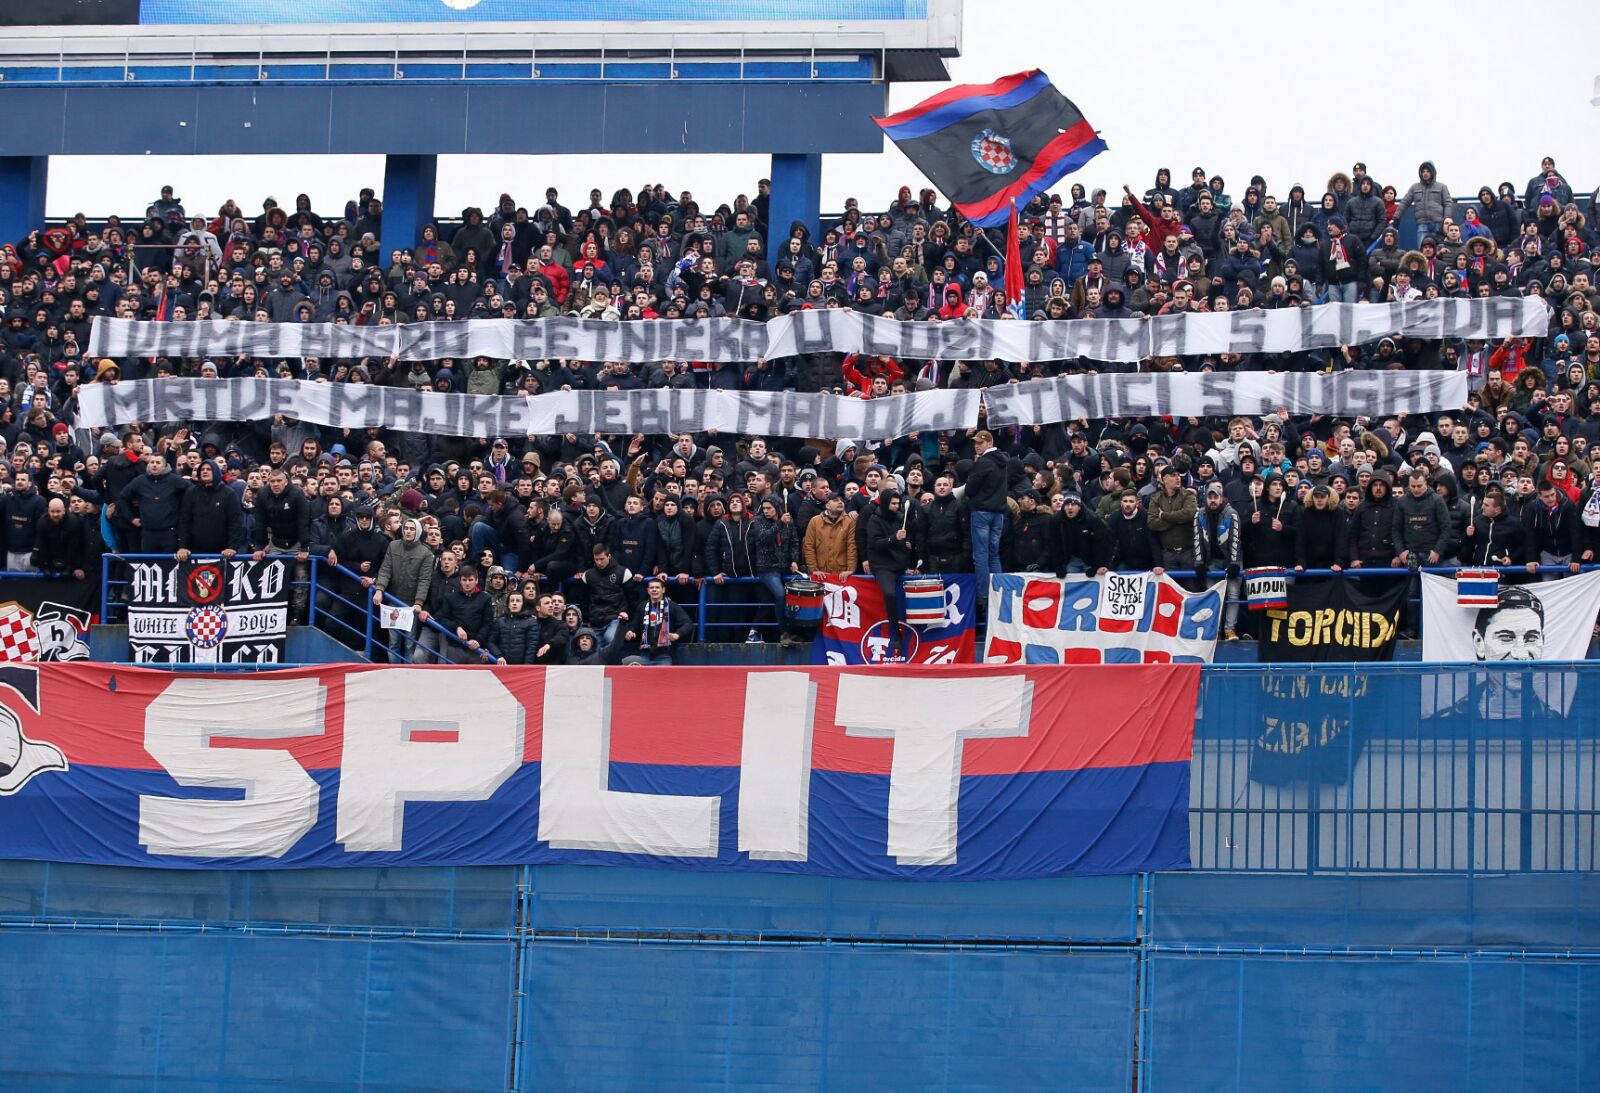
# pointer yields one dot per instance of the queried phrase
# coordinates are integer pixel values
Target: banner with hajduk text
(890, 773)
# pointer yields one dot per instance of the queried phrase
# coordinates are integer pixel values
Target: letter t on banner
(578, 812)
(929, 720)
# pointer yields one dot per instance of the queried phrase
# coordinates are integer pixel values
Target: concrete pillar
(408, 189)
(23, 180)
(796, 195)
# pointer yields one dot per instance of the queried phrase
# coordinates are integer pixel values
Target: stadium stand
(519, 545)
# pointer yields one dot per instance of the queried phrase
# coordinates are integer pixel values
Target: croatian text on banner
(855, 627)
(227, 612)
(1222, 394)
(892, 773)
(1116, 618)
(1125, 341)
(771, 413)
(1334, 620)
(1308, 736)
(651, 411)
(1529, 623)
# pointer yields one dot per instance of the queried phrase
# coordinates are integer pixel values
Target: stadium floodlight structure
(414, 79)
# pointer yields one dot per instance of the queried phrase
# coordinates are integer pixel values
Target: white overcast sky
(1292, 92)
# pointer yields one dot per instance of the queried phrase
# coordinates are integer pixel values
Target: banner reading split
(1116, 618)
(891, 773)
(1127, 341)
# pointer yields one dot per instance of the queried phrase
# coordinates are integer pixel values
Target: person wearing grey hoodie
(1430, 198)
(407, 569)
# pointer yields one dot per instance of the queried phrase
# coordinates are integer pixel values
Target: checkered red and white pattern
(206, 626)
(19, 639)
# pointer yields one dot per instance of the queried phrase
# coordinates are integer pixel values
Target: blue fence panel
(578, 898)
(1413, 1023)
(477, 900)
(1518, 911)
(1396, 768)
(621, 1016)
(101, 1009)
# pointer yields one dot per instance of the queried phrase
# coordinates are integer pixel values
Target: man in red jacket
(1160, 226)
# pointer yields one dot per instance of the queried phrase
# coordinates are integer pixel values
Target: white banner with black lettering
(770, 413)
(651, 411)
(1224, 394)
(1127, 341)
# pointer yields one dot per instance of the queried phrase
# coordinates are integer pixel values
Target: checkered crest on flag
(19, 638)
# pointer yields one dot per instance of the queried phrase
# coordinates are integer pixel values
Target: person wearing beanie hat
(1342, 262)
(1083, 540)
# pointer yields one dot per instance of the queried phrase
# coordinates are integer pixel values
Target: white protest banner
(649, 410)
(1117, 618)
(1224, 394)
(833, 330)
(774, 413)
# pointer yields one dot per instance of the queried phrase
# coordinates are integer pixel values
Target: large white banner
(1224, 394)
(1530, 624)
(770, 413)
(652, 411)
(1126, 341)
(1117, 618)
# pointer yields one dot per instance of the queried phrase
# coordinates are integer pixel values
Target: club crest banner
(890, 773)
(234, 611)
(855, 626)
(1117, 618)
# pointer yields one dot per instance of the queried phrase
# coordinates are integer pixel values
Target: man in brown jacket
(830, 542)
(1171, 516)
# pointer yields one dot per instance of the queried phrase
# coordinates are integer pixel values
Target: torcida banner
(925, 773)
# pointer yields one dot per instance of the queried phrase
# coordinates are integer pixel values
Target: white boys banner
(1116, 618)
(1529, 624)
(834, 330)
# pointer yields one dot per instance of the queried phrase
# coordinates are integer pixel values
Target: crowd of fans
(548, 548)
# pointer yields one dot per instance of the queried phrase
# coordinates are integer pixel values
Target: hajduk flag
(992, 147)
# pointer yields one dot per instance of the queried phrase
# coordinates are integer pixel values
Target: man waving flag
(992, 147)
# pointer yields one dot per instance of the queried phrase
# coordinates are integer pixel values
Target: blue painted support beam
(22, 188)
(796, 195)
(408, 189)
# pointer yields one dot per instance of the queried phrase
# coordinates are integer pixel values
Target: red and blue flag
(992, 147)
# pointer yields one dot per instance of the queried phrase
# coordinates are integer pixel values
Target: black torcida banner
(1308, 733)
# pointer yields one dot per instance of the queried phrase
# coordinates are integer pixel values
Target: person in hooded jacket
(1365, 213)
(1431, 199)
(406, 572)
(584, 647)
(1034, 537)
(889, 556)
(1370, 543)
(515, 633)
(210, 516)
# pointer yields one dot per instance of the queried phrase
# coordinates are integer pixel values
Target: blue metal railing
(725, 612)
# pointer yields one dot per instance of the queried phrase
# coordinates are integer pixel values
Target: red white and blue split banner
(890, 773)
(1115, 618)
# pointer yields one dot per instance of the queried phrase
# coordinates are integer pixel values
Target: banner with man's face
(1529, 623)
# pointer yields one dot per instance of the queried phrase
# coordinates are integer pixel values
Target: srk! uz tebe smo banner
(889, 773)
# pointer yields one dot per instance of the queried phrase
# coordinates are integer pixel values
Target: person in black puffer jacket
(515, 633)
(890, 551)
